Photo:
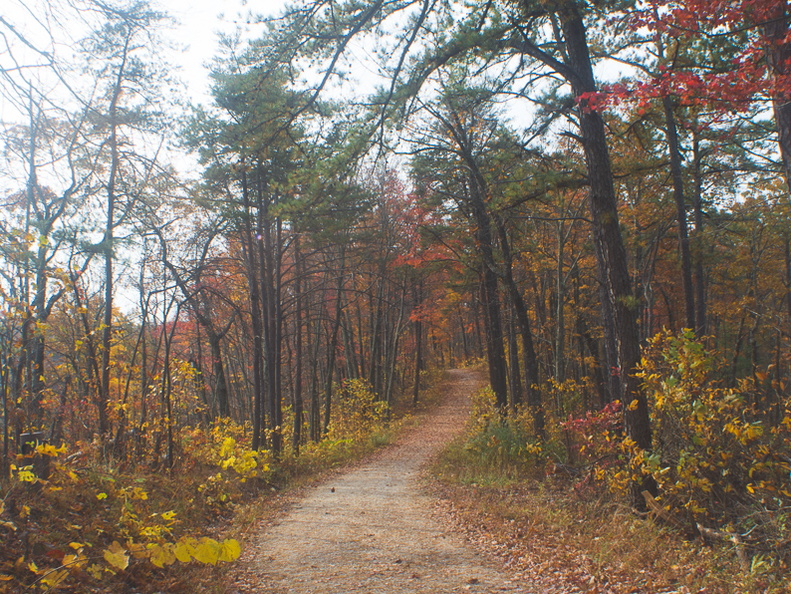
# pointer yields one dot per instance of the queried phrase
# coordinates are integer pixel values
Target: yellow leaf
(55, 578)
(137, 550)
(46, 449)
(32, 567)
(116, 556)
(230, 550)
(168, 516)
(5, 578)
(76, 545)
(161, 555)
(25, 512)
(95, 571)
(207, 551)
(183, 550)
(101, 496)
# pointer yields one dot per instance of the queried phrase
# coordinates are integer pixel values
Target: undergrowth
(97, 523)
(544, 503)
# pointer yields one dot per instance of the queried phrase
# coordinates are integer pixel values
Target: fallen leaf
(116, 556)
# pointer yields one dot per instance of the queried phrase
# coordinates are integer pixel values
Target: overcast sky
(199, 23)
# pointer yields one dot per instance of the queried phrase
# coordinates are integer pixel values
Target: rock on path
(370, 530)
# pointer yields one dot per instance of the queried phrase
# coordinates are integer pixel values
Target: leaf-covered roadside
(560, 545)
(98, 525)
(558, 510)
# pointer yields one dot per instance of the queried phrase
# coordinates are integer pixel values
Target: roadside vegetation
(560, 510)
(200, 303)
(99, 524)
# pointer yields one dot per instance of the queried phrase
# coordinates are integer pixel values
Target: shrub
(494, 447)
(721, 455)
(358, 412)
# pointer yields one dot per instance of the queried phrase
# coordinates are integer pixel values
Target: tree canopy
(590, 198)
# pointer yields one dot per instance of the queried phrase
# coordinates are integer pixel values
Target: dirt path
(371, 530)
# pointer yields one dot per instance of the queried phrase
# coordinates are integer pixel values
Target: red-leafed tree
(742, 57)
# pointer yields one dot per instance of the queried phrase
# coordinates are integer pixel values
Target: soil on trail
(371, 529)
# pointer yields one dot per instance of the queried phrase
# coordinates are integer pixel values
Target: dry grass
(546, 532)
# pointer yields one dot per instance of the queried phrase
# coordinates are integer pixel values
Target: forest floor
(397, 522)
(375, 528)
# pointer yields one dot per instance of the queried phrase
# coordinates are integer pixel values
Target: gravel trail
(372, 530)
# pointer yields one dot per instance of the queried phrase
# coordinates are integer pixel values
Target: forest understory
(206, 302)
(548, 531)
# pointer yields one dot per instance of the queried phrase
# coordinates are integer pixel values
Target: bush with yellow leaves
(721, 454)
(90, 526)
(225, 449)
(358, 412)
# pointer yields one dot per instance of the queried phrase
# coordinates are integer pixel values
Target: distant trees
(81, 146)
(491, 198)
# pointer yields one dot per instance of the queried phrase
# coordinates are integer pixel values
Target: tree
(515, 29)
(463, 133)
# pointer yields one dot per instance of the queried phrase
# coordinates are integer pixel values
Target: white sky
(200, 22)
(197, 28)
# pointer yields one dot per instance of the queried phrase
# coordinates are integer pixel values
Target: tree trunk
(296, 434)
(674, 151)
(251, 251)
(218, 371)
(697, 206)
(332, 347)
(560, 301)
(530, 361)
(515, 393)
(778, 57)
(476, 199)
(4, 385)
(418, 327)
(610, 250)
(493, 325)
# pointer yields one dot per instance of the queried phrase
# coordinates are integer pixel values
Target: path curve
(371, 529)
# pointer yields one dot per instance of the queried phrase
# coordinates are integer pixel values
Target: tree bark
(778, 57)
(530, 361)
(697, 208)
(332, 347)
(491, 302)
(610, 249)
(250, 246)
(418, 327)
(674, 150)
(296, 434)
